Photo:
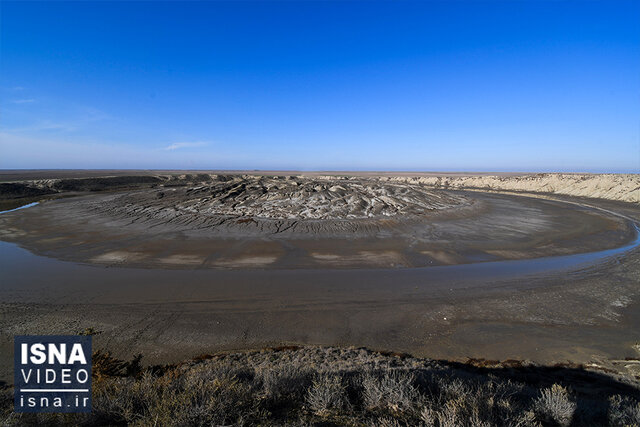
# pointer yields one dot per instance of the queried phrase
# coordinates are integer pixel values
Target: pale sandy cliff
(622, 187)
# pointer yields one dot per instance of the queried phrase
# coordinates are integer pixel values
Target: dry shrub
(285, 383)
(326, 394)
(449, 415)
(553, 405)
(453, 389)
(385, 422)
(624, 411)
(428, 416)
(393, 391)
(105, 365)
(196, 397)
(457, 402)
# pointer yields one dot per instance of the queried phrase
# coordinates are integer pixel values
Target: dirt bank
(622, 187)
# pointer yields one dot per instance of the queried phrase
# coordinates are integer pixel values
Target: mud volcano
(295, 198)
(278, 204)
(293, 222)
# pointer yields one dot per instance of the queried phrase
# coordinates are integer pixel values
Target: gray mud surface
(234, 222)
(171, 287)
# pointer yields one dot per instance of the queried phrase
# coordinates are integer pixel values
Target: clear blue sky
(482, 86)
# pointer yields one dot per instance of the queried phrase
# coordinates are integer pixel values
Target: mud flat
(220, 262)
(292, 222)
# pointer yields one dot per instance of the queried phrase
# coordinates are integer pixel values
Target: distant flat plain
(30, 174)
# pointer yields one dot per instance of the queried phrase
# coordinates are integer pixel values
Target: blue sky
(315, 85)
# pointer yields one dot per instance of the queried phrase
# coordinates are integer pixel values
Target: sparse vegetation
(555, 406)
(327, 394)
(351, 387)
(624, 411)
(392, 391)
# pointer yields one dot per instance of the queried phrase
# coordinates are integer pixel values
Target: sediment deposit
(622, 187)
(302, 198)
